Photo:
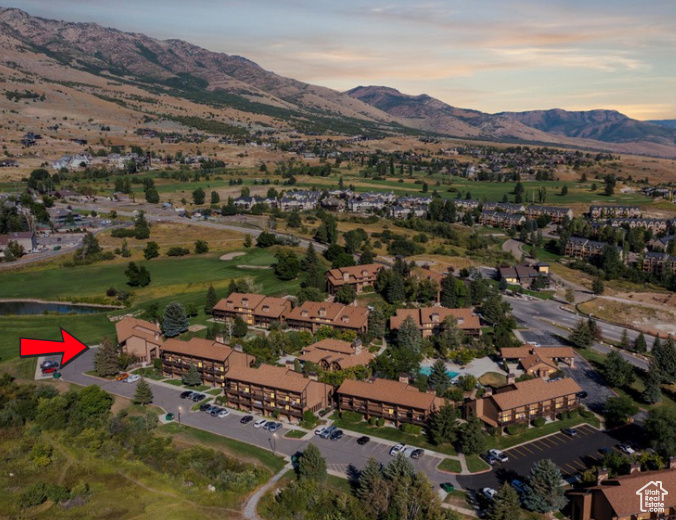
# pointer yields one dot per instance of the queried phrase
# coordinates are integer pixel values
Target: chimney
(238, 348)
(312, 376)
(635, 468)
(220, 339)
(403, 378)
(488, 391)
(672, 462)
(290, 364)
(511, 378)
(601, 475)
(357, 346)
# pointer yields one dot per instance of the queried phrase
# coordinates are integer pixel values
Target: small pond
(24, 308)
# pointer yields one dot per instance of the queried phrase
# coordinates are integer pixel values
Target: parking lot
(571, 454)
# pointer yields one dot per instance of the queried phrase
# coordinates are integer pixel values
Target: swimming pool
(428, 370)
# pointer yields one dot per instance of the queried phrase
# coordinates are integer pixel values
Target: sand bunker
(231, 256)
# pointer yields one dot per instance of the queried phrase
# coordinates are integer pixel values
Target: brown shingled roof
(198, 347)
(235, 300)
(534, 391)
(331, 345)
(270, 376)
(128, 327)
(529, 362)
(388, 391)
(335, 314)
(621, 491)
(426, 315)
(353, 273)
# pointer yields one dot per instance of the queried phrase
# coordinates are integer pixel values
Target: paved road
(571, 454)
(343, 456)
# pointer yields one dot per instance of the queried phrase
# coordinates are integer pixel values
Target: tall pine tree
(211, 301)
(439, 380)
(312, 465)
(544, 492)
(192, 377)
(175, 320)
(107, 359)
(143, 394)
(505, 505)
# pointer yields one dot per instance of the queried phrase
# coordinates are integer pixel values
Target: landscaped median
(295, 434)
(476, 464)
(450, 465)
(391, 434)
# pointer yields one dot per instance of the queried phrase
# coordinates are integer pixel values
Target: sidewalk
(250, 511)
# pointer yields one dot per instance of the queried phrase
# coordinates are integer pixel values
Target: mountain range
(135, 70)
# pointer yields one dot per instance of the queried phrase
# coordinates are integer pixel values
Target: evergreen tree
(443, 425)
(288, 265)
(143, 394)
(640, 344)
(399, 468)
(211, 301)
(396, 289)
(449, 297)
(580, 336)
(617, 371)
(314, 271)
(409, 336)
(624, 340)
(653, 379)
(439, 379)
(367, 256)
(175, 320)
(247, 241)
(377, 323)
(472, 439)
(544, 492)
(372, 490)
(198, 196)
(201, 247)
(107, 359)
(215, 197)
(192, 377)
(239, 327)
(665, 358)
(346, 294)
(312, 466)
(451, 337)
(294, 220)
(660, 428)
(597, 286)
(151, 251)
(505, 505)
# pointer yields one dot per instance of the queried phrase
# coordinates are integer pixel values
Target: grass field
(183, 279)
(476, 464)
(295, 434)
(450, 465)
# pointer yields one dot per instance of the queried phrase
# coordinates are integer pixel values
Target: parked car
(398, 448)
(121, 376)
(197, 397)
(132, 378)
(491, 460)
(268, 424)
(49, 364)
(363, 440)
(489, 493)
(582, 394)
(187, 394)
(260, 423)
(448, 487)
(519, 486)
(327, 432)
(320, 430)
(625, 448)
(204, 407)
(417, 453)
(246, 419)
(214, 410)
(499, 455)
(571, 432)
(336, 435)
(275, 426)
(49, 370)
(223, 413)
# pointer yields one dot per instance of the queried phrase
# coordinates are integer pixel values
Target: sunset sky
(490, 55)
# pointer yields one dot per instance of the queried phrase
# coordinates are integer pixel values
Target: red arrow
(70, 346)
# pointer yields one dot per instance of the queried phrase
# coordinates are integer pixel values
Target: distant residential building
(504, 207)
(500, 219)
(606, 212)
(525, 401)
(583, 247)
(333, 354)
(358, 276)
(523, 274)
(539, 361)
(139, 338)
(627, 497)
(212, 359)
(661, 244)
(394, 401)
(654, 262)
(25, 239)
(254, 309)
(430, 320)
(271, 390)
(556, 214)
(657, 225)
(313, 315)
(466, 204)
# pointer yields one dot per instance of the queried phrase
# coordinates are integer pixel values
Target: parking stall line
(513, 454)
(571, 468)
(527, 449)
(520, 451)
(577, 463)
(548, 442)
(537, 446)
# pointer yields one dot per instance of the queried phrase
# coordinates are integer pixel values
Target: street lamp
(273, 441)
(179, 415)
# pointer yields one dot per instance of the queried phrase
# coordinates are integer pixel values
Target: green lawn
(392, 434)
(450, 465)
(237, 448)
(476, 464)
(295, 434)
(184, 279)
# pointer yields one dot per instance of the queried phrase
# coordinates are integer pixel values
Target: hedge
(411, 428)
(350, 416)
(515, 429)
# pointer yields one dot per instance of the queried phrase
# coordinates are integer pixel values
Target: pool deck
(477, 367)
